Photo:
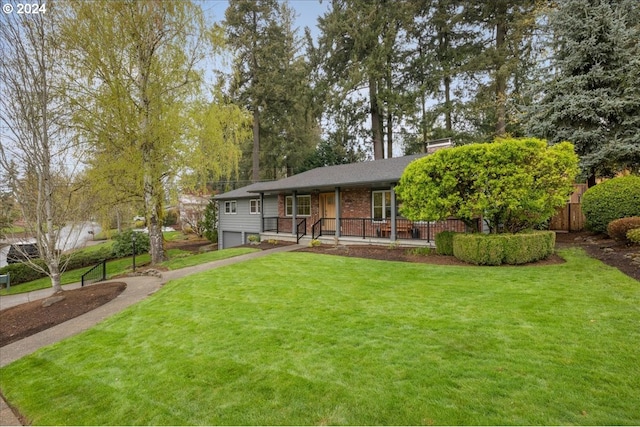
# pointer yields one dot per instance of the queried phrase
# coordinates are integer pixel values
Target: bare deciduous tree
(35, 148)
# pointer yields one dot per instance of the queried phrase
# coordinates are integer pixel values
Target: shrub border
(497, 249)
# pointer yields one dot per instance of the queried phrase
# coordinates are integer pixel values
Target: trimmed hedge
(22, 272)
(613, 199)
(634, 235)
(496, 249)
(444, 242)
(617, 229)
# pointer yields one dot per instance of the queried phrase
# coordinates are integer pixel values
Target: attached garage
(231, 239)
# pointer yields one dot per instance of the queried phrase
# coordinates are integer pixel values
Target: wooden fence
(569, 218)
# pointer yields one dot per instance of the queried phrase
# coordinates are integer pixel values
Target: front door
(328, 210)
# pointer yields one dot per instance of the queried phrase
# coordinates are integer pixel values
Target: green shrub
(123, 243)
(444, 242)
(423, 251)
(496, 249)
(618, 228)
(634, 235)
(22, 272)
(87, 259)
(170, 217)
(613, 199)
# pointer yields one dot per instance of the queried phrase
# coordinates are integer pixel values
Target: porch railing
(277, 224)
(367, 227)
(301, 229)
(323, 227)
(381, 228)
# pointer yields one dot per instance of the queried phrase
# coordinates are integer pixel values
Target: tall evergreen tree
(505, 30)
(592, 97)
(362, 51)
(271, 79)
(250, 24)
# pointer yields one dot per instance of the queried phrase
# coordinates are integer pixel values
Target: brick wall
(356, 203)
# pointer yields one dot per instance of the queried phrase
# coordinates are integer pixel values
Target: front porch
(359, 230)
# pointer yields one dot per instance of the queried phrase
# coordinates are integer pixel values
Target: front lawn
(177, 259)
(300, 338)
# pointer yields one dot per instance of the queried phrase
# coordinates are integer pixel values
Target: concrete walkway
(137, 289)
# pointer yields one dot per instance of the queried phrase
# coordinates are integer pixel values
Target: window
(254, 206)
(381, 204)
(303, 205)
(230, 207)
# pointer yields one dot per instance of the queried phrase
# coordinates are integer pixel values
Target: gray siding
(242, 221)
(270, 206)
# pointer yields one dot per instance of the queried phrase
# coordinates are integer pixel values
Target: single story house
(352, 203)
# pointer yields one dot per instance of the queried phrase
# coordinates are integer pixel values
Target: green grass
(177, 259)
(299, 338)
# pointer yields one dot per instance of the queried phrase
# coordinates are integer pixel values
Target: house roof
(384, 171)
(370, 173)
(241, 192)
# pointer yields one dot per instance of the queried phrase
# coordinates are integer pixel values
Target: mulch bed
(30, 318)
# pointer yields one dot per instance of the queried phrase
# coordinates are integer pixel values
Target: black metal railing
(277, 224)
(301, 229)
(323, 227)
(381, 228)
(97, 273)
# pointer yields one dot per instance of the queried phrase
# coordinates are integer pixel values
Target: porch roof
(376, 172)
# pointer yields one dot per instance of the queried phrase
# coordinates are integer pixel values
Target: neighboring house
(352, 203)
(191, 210)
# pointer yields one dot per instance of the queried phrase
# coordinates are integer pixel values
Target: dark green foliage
(444, 242)
(123, 243)
(618, 228)
(634, 235)
(611, 200)
(211, 222)
(22, 272)
(593, 97)
(488, 249)
(86, 259)
(170, 218)
(272, 80)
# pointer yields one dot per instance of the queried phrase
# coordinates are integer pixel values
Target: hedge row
(23, 272)
(496, 249)
(613, 199)
(444, 242)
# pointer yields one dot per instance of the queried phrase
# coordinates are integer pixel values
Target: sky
(307, 12)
